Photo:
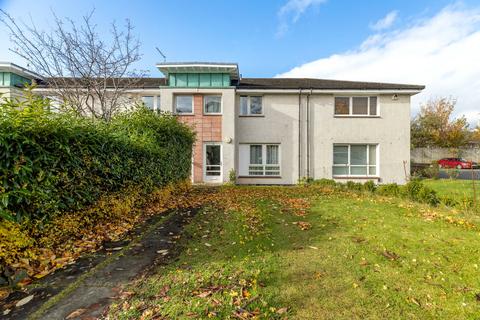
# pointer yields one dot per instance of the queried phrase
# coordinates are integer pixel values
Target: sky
(431, 42)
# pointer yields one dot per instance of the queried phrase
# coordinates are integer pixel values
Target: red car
(458, 163)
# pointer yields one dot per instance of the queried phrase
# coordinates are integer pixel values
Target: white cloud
(291, 11)
(386, 22)
(441, 52)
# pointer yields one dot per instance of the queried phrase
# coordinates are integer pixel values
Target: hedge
(57, 162)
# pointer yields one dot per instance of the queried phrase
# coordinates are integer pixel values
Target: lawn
(314, 253)
(458, 189)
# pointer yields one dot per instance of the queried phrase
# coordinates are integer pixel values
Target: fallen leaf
(390, 255)
(204, 294)
(76, 313)
(114, 249)
(4, 293)
(24, 301)
(163, 252)
(282, 310)
(208, 244)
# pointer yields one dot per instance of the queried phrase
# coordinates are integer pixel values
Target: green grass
(457, 189)
(363, 258)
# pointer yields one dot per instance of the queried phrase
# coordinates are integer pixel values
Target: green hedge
(51, 162)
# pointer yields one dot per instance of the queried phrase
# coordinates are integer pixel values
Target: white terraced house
(276, 130)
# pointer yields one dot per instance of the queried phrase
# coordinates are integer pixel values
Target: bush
(325, 182)
(432, 171)
(415, 190)
(354, 186)
(232, 176)
(391, 189)
(53, 162)
(370, 186)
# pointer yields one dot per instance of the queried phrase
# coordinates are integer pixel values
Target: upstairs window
(212, 104)
(251, 105)
(184, 104)
(356, 106)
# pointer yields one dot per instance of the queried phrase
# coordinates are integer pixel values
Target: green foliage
(432, 171)
(417, 191)
(414, 190)
(232, 176)
(325, 182)
(354, 186)
(370, 186)
(51, 162)
(390, 189)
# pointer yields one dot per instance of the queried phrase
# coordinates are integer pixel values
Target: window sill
(252, 116)
(354, 116)
(184, 114)
(357, 177)
(264, 177)
(212, 114)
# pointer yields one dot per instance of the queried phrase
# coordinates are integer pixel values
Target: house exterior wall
(278, 124)
(10, 92)
(285, 122)
(391, 131)
(209, 128)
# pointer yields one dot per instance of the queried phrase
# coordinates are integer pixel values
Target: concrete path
(88, 286)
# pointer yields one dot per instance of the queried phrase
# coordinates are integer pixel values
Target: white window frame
(350, 107)
(248, 106)
(156, 101)
(349, 165)
(264, 164)
(175, 104)
(205, 105)
(212, 178)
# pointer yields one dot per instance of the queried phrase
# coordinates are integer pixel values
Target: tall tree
(86, 71)
(435, 126)
(476, 133)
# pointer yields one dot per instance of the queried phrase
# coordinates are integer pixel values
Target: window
(184, 104)
(264, 160)
(356, 106)
(355, 160)
(251, 105)
(212, 104)
(148, 102)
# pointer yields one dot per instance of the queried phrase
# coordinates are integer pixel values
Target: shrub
(415, 190)
(355, 186)
(432, 171)
(370, 186)
(391, 189)
(232, 176)
(53, 162)
(325, 182)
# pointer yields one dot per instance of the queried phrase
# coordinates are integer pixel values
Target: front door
(212, 162)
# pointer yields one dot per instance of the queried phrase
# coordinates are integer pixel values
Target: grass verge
(314, 253)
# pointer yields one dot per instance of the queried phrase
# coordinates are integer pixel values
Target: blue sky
(314, 38)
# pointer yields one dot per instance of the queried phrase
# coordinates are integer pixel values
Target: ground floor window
(260, 159)
(355, 160)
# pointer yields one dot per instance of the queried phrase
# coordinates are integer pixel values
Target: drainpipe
(299, 134)
(308, 133)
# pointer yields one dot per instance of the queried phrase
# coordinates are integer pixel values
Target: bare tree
(88, 72)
